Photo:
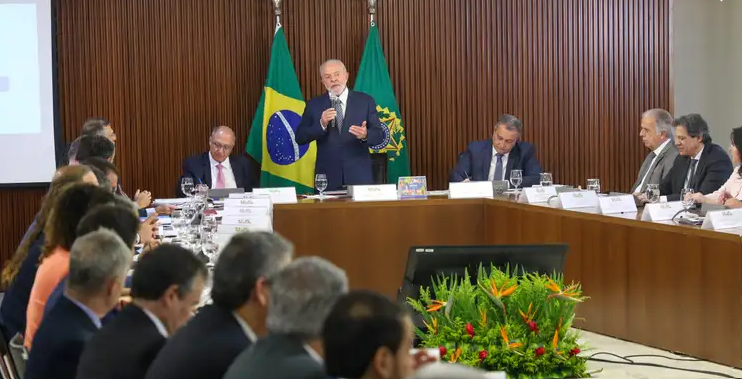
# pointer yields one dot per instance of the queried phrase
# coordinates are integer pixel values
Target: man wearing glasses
(216, 168)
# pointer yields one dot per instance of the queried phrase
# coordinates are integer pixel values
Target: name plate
(726, 219)
(248, 202)
(375, 192)
(282, 195)
(578, 199)
(242, 220)
(617, 204)
(252, 225)
(247, 195)
(537, 194)
(245, 211)
(470, 190)
(661, 211)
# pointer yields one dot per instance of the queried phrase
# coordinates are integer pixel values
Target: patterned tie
(219, 176)
(338, 105)
(498, 168)
(692, 173)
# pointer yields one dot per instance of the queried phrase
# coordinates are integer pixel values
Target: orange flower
(568, 293)
(528, 316)
(555, 340)
(455, 356)
(497, 294)
(507, 340)
(437, 304)
(434, 326)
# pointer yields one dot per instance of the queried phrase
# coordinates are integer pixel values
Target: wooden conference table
(672, 287)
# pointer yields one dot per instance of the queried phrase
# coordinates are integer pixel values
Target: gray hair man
(657, 134)
(230, 325)
(98, 264)
(301, 297)
(495, 159)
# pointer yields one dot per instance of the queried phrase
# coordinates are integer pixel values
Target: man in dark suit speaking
(216, 168)
(344, 124)
(495, 158)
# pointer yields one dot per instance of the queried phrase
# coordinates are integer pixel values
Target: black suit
(475, 163)
(202, 349)
(59, 342)
(123, 349)
(712, 171)
(276, 357)
(198, 167)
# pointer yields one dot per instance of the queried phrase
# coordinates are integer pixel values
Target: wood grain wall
(579, 73)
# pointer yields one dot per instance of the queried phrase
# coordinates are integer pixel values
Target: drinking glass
(209, 247)
(653, 193)
(593, 185)
(178, 221)
(546, 179)
(186, 185)
(202, 192)
(686, 197)
(516, 178)
(208, 224)
(320, 182)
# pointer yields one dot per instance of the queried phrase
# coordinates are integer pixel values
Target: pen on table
(467, 176)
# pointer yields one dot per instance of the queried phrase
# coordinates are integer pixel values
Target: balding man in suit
(657, 135)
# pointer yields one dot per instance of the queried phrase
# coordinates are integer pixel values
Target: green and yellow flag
(271, 141)
(373, 79)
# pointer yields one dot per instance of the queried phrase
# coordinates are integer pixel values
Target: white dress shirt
(343, 102)
(657, 152)
(229, 181)
(493, 164)
(245, 328)
(156, 320)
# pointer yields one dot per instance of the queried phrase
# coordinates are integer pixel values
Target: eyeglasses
(219, 146)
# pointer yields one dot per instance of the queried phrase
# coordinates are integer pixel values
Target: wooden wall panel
(578, 73)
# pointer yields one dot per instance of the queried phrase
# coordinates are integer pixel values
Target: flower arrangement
(520, 324)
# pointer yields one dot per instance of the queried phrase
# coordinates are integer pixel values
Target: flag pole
(277, 12)
(372, 11)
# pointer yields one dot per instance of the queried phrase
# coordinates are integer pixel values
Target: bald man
(216, 168)
(345, 125)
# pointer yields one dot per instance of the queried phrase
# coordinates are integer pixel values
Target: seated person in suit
(495, 158)
(237, 316)
(60, 233)
(216, 168)
(701, 165)
(98, 265)
(730, 194)
(19, 273)
(165, 289)
(120, 217)
(657, 135)
(301, 296)
(367, 336)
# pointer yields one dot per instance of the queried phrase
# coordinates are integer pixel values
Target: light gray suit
(660, 168)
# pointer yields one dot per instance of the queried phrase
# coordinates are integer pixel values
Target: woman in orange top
(60, 229)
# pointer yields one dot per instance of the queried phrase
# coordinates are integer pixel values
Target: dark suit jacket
(59, 342)
(341, 156)
(58, 293)
(123, 349)
(276, 357)
(219, 339)
(712, 171)
(15, 300)
(198, 167)
(475, 163)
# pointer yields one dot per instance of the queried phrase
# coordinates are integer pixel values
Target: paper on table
(325, 197)
(171, 201)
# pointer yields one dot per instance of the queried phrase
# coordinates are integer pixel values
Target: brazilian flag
(271, 141)
(373, 79)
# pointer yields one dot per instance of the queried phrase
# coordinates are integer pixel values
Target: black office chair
(379, 163)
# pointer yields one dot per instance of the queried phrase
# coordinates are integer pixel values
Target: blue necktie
(498, 168)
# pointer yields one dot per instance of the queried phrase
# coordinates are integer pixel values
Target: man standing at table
(344, 124)
(495, 158)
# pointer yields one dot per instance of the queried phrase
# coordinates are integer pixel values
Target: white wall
(707, 63)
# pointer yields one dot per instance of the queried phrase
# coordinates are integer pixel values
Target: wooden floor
(672, 287)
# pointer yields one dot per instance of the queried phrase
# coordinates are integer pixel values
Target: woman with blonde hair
(19, 272)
